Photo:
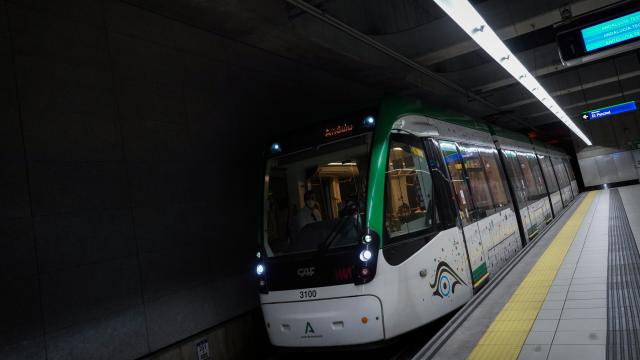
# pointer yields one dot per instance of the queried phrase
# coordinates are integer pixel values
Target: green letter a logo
(308, 329)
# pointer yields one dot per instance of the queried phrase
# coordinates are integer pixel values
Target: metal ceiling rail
(325, 17)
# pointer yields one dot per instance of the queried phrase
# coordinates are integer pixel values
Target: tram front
(315, 248)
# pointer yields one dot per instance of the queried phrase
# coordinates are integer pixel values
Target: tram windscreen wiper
(338, 227)
(333, 235)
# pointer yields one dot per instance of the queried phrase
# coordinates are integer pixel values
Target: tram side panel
(417, 282)
(520, 190)
(429, 284)
(552, 183)
(496, 220)
(563, 180)
(532, 197)
(504, 242)
(572, 178)
(537, 197)
(487, 216)
(467, 210)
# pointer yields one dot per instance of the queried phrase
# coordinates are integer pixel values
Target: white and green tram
(376, 225)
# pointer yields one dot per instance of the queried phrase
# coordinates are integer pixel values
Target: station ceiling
(421, 32)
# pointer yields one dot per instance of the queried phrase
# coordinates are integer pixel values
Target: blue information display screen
(612, 32)
(609, 111)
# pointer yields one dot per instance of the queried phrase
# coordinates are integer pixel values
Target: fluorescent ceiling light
(474, 25)
(342, 164)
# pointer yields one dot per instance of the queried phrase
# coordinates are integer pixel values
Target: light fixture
(365, 255)
(368, 238)
(276, 148)
(260, 269)
(342, 164)
(369, 121)
(463, 13)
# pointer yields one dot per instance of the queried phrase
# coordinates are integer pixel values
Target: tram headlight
(365, 255)
(365, 268)
(260, 269)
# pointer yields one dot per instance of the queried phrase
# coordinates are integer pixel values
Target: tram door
(563, 180)
(467, 211)
(514, 172)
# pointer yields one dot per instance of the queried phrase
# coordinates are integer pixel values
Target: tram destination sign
(339, 130)
(609, 111)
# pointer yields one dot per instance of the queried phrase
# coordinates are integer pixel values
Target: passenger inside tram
(310, 212)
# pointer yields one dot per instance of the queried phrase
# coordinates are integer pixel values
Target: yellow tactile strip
(508, 331)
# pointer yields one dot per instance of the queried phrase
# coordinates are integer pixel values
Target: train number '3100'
(308, 294)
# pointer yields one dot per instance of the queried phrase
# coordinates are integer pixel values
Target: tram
(374, 225)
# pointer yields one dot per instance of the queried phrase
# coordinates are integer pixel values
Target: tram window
(456, 173)
(552, 183)
(495, 177)
(537, 175)
(560, 172)
(445, 213)
(409, 190)
(477, 180)
(517, 179)
(567, 164)
(533, 191)
(316, 198)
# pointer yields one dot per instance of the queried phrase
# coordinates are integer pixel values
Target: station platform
(573, 294)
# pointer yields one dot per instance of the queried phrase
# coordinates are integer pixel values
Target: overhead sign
(612, 32)
(609, 111)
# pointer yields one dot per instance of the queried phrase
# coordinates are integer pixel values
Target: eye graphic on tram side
(445, 280)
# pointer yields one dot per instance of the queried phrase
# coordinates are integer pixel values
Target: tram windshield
(315, 198)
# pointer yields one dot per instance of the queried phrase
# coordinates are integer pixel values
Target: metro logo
(343, 274)
(309, 329)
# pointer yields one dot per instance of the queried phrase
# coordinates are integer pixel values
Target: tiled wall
(243, 337)
(130, 149)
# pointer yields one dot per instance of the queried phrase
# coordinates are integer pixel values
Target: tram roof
(404, 106)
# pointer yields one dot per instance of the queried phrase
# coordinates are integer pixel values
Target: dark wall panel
(130, 150)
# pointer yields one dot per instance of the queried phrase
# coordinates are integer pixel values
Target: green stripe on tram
(390, 110)
(479, 272)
